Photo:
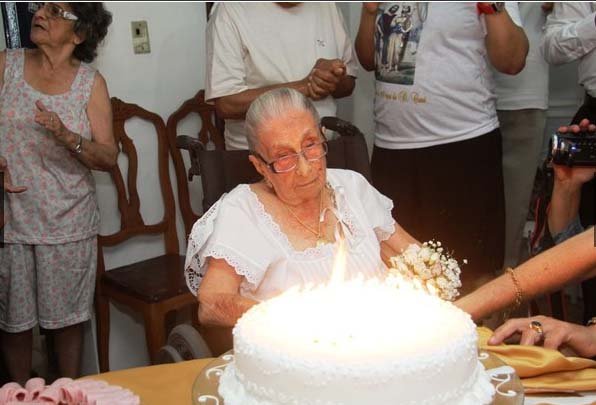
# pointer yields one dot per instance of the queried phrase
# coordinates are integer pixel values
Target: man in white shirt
(570, 34)
(255, 47)
(437, 151)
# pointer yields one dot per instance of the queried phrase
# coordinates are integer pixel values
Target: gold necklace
(320, 240)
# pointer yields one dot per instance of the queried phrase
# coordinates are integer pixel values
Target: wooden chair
(152, 287)
(222, 170)
(210, 134)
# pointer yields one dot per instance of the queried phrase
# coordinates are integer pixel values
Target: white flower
(429, 267)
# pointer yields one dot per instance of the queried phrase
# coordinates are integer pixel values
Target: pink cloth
(65, 391)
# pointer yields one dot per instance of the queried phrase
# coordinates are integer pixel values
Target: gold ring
(51, 119)
(537, 327)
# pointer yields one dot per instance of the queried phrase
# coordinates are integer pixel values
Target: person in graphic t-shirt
(437, 145)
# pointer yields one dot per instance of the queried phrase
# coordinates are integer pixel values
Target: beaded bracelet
(519, 295)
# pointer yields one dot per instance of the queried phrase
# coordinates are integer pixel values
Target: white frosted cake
(357, 343)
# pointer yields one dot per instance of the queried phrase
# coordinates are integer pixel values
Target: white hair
(274, 104)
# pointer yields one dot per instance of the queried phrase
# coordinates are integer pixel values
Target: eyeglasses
(53, 10)
(284, 164)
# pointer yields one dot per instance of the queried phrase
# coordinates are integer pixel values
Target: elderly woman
(55, 125)
(261, 239)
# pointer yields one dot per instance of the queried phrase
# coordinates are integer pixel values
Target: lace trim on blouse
(387, 229)
(195, 260)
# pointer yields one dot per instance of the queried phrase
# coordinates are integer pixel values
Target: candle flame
(339, 265)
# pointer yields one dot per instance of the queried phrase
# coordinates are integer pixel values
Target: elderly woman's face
(48, 28)
(285, 136)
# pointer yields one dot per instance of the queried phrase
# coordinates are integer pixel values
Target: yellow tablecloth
(543, 369)
(537, 367)
(158, 385)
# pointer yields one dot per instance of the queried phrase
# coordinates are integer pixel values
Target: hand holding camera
(573, 154)
(574, 145)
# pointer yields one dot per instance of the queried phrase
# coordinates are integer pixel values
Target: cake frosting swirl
(355, 343)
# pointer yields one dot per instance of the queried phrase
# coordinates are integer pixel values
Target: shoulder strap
(84, 81)
(13, 68)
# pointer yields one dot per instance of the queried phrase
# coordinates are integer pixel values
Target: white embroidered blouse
(239, 230)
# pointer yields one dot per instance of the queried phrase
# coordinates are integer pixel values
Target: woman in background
(55, 125)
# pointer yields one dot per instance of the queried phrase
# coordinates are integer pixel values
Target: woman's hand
(7, 181)
(555, 334)
(51, 121)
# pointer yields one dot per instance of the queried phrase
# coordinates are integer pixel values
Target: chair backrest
(210, 133)
(221, 170)
(131, 220)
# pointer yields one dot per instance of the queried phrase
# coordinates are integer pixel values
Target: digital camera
(573, 149)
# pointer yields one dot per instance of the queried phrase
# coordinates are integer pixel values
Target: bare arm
(220, 303)
(327, 78)
(569, 261)
(397, 243)
(566, 197)
(101, 152)
(365, 41)
(506, 43)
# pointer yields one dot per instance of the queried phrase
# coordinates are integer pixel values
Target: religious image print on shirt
(398, 30)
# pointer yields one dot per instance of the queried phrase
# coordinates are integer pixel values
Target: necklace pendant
(321, 241)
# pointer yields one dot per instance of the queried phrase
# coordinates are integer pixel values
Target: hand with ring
(550, 333)
(536, 326)
(51, 121)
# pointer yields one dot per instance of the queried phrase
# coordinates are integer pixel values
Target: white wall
(159, 81)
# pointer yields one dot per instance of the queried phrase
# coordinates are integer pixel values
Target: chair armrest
(193, 146)
(344, 128)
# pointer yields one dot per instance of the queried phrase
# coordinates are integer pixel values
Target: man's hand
(7, 184)
(576, 175)
(324, 77)
(584, 126)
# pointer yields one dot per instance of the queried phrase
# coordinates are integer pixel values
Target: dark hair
(92, 26)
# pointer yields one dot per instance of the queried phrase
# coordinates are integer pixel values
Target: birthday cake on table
(354, 343)
(66, 391)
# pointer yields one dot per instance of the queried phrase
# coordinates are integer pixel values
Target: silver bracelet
(79, 146)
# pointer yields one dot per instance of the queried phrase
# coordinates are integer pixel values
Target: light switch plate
(140, 37)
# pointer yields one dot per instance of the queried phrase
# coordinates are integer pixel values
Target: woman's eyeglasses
(53, 10)
(284, 164)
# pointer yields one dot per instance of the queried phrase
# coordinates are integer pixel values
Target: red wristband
(486, 8)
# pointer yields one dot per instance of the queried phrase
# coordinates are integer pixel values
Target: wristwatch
(490, 8)
(79, 146)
